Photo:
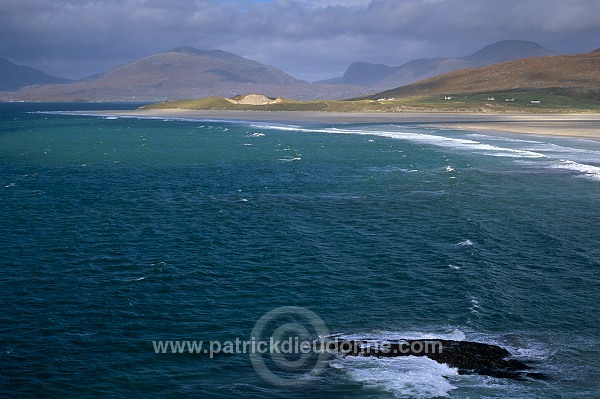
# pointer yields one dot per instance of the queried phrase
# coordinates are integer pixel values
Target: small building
(510, 99)
(535, 101)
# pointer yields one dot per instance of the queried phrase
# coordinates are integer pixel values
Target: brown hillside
(577, 74)
(183, 73)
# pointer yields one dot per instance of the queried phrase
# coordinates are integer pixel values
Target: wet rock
(468, 357)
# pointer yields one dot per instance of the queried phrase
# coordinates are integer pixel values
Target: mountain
(184, 73)
(420, 69)
(508, 50)
(574, 75)
(382, 77)
(365, 74)
(15, 77)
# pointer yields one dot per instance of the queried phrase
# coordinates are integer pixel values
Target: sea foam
(404, 377)
(587, 171)
(432, 139)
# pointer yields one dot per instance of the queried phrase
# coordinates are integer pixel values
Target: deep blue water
(115, 233)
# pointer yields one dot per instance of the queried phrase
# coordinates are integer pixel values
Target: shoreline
(566, 125)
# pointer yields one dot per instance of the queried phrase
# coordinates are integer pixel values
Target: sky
(308, 39)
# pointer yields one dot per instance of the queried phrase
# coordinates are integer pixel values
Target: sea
(146, 257)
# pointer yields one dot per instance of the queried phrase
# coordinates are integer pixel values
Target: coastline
(569, 125)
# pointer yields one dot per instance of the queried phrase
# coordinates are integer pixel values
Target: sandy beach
(573, 125)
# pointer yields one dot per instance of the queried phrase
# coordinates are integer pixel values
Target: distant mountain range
(184, 73)
(576, 75)
(188, 73)
(382, 77)
(15, 77)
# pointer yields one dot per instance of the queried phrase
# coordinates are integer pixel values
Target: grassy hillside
(576, 76)
(216, 103)
(466, 103)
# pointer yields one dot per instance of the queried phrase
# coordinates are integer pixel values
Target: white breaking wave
(589, 171)
(432, 139)
(465, 144)
(502, 138)
(404, 377)
(423, 378)
(529, 149)
(475, 307)
(290, 159)
(455, 335)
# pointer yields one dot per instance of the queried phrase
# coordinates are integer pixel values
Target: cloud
(307, 38)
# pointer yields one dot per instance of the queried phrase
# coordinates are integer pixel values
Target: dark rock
(468, 357)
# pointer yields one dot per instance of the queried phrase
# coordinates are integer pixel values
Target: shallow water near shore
(117, 232)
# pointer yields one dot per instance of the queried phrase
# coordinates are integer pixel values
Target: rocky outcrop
(468, 357)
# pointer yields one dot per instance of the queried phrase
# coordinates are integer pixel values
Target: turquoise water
(119, 232)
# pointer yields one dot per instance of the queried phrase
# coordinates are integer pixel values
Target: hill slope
(185, 72)
(422, 69)
(15, 77)
(508, 50)
(575, 75)
(382, 77)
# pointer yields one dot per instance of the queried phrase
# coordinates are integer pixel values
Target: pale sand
(575, 125)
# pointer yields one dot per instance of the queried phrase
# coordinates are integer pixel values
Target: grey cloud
(307, 38)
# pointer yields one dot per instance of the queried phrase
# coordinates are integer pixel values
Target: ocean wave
(585, 170)
(410, 376)
(390, 169)
(431, 139)
(500, 138)
(465, 144)
(528, 149)
(421, 377)
(276, 126)
(290, 159)
(455, 335)
(475, 307)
